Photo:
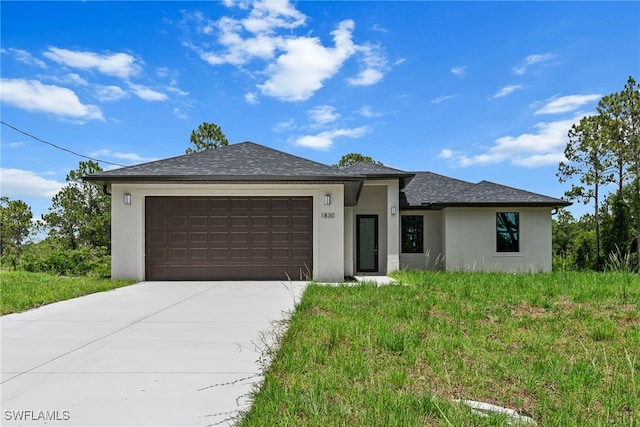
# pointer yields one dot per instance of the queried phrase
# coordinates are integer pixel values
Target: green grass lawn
(20, 290)
(562, 348)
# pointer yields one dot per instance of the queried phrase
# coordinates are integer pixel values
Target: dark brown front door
(367, 243)
(228, 238)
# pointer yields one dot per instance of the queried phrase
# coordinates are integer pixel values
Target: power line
(57, 146)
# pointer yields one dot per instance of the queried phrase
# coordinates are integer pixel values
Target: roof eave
(442, 205)
(220, 178)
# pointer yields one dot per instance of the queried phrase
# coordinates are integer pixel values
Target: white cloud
(33, 95)
(567, 103)
(146, 93)
(131, 157)
(459, 71)
(534, 59)
(374, 64)
(251, 98)
(324, 140)
(20, 184)
(120, 65)
(366, 111)
(531, 60)
(380, 29)
(440, 99)
(268, 15)
(300, 72)
(110, 93)
(507, 90)
(296, 66)
(25, 57)
(367, 77)
(287, 125)
(544, 146)
(322, 115)
(180, 114)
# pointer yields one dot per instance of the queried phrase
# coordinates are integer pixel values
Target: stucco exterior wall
(432, 258)
(471, 240)
(128, 222)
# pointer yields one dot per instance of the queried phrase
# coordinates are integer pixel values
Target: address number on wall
(328, 215)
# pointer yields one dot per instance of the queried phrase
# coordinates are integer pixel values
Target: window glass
(508, 232)
(412, 234)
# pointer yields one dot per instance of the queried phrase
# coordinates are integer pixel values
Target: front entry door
(367, 243)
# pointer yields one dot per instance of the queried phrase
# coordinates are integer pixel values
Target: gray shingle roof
(248, 161)
(245, 160)
(366, 168)
(430, 190)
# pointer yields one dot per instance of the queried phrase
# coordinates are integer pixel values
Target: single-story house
(246, 211)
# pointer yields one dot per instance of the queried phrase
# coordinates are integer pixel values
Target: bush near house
(562, 348)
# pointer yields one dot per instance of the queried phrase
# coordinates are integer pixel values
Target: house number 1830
(328, 215)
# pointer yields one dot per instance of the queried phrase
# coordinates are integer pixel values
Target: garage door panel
(280, 221)
(260, 222)
(242, 255)
(301, 222)
(198, 238)
(196, 222)
(300, 253)
(198, 204)
(301, 204)
(239, 204)
(178, 238)
(299, 237)
(199, 255)
(157, 254)
(216, 222)
(219, 238)
(280, 237)
(178, 254)
(157, 223)
(240, 237)
(260, 238)
(156, 237)
(240, 222)
(178, 221)
(260, 204)
(213, 238)
(176, 204)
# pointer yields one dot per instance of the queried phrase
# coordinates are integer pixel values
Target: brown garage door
(228, 238)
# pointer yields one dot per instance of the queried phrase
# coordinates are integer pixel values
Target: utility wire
(57, 146)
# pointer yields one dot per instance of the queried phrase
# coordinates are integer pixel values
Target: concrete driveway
(151, 354)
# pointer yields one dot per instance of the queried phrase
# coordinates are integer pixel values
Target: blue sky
(472, 90)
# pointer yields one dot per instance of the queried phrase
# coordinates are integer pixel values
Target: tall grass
(21, 290)
(563, 348)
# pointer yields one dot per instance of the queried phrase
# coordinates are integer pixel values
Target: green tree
(80, 215)
(354, 158)
(206, 137)
(15, 225)
(617, 230)
(630, 100)
(612, 131)
(588, 159)
(565, 229)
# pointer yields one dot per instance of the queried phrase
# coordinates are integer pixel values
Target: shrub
(79, 262)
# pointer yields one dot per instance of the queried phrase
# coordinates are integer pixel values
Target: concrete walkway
(151, 354)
